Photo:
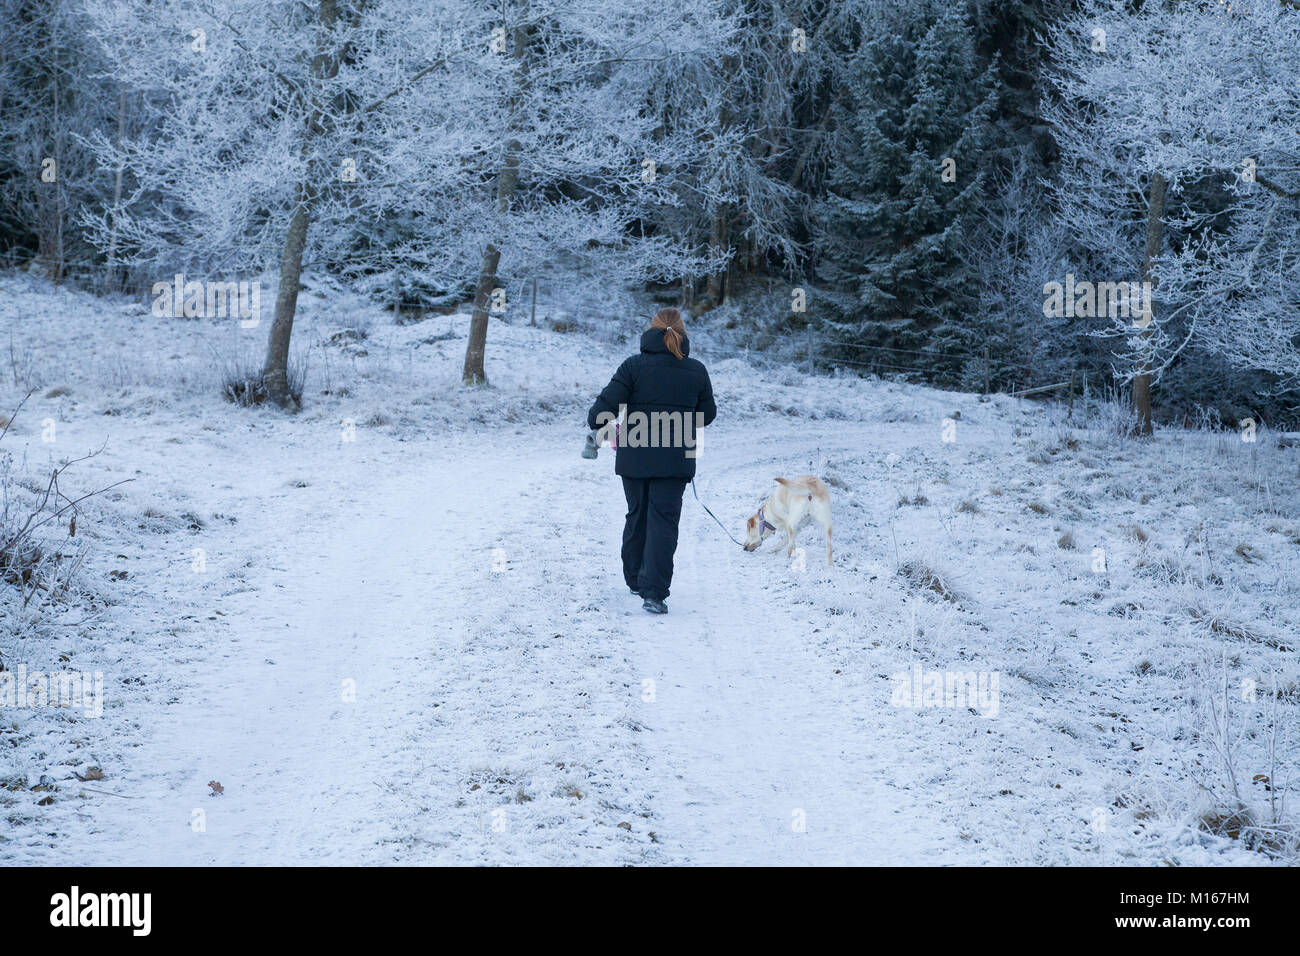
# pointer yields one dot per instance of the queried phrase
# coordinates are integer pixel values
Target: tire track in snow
(308, 776)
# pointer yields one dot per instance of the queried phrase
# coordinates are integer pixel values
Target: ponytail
(670, 320)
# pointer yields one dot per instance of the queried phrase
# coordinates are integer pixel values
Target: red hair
(670, 320)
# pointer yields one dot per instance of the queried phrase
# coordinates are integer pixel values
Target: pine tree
(907, 180)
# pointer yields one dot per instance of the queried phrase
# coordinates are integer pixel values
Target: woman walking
(665, 393)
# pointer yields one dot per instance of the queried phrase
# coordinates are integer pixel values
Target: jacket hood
(652, 340)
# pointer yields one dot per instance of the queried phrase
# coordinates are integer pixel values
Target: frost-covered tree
(1177, 129)
(283, 133)
(52, 95)
(1243, 276)
(906, 178)
(252, 109)
(765, 97)
(576, 161)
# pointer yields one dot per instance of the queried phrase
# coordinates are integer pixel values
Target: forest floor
(393, 629)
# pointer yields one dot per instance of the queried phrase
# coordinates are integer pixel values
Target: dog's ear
(781, 481)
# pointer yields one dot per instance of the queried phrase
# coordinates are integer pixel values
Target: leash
(713, 516)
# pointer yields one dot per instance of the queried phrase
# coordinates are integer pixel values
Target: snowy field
(393, 629)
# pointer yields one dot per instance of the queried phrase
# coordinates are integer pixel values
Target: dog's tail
(789, 484)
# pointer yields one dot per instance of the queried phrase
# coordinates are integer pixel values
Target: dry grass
(1248, 553)
(924, 578)
(1235, 630)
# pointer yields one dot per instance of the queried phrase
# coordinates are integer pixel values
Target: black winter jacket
(673, 397)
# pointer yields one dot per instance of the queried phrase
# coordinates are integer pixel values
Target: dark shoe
(654, 607)
(635, 591)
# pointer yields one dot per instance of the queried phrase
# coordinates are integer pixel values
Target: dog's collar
(763, 522)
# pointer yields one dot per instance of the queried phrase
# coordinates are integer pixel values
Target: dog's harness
(763, 523)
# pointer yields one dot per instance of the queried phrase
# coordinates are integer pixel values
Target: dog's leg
(780, 529)
(789, 552)
(828, 546)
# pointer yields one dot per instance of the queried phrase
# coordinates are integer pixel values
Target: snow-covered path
(416, 647)
(765, 757)
(422, 651)
(513, 704)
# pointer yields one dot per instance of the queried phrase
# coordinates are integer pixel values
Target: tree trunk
(473, 372)
(117, 190)
(715, 288)
(1155, 234)
(802, 163)
(275, 373)
(57, 265)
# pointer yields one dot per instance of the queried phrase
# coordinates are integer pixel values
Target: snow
(456, 565)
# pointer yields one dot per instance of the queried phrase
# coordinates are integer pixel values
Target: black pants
(654, 506)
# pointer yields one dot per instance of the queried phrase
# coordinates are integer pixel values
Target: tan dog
(794, 501)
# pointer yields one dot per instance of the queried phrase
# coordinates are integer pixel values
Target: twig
(14, 413)
(121, 796)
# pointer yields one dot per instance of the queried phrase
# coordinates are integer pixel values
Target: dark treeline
(920, 179)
